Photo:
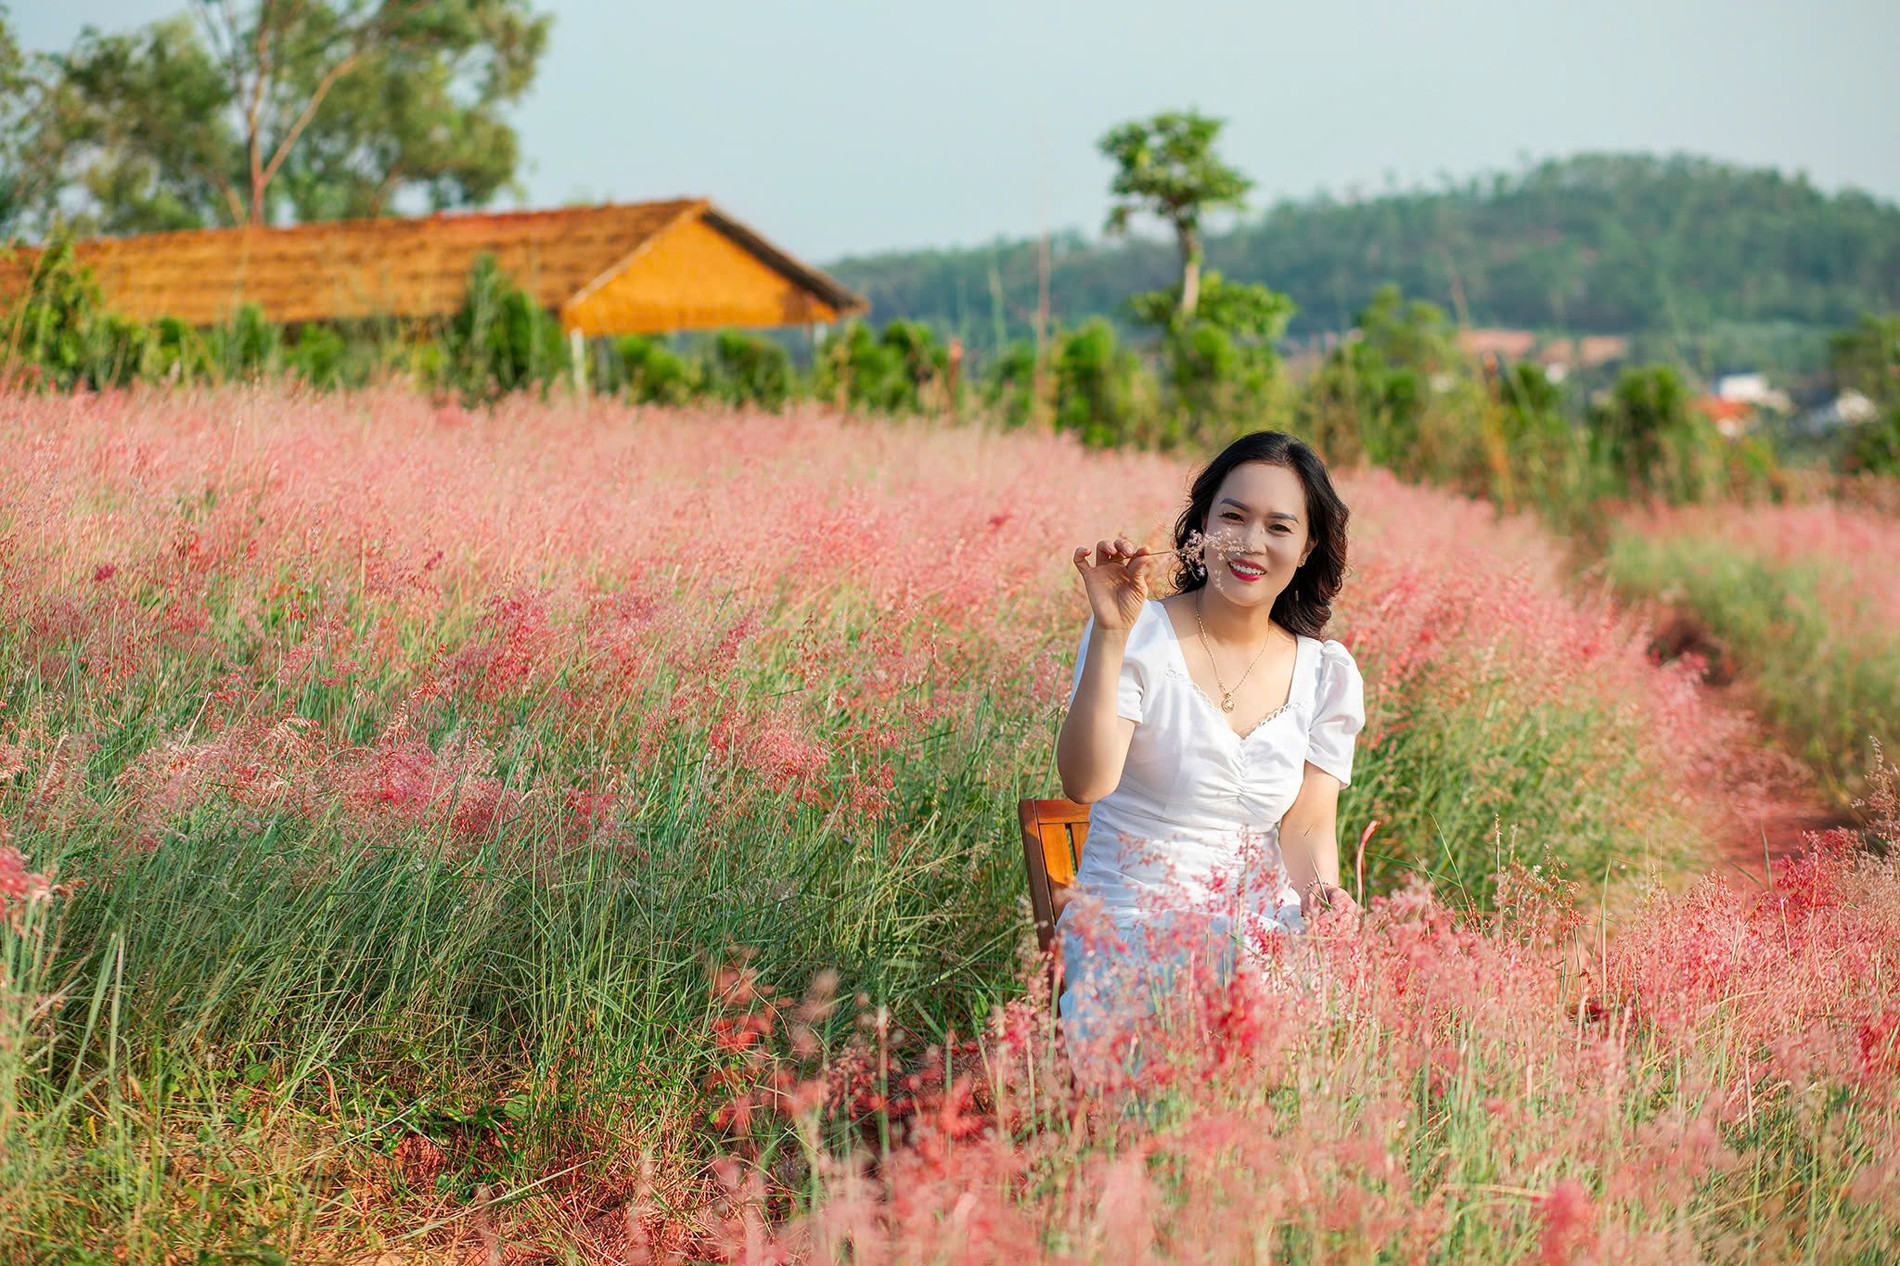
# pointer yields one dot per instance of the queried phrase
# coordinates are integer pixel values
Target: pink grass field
(346, 609)
(1800, 601)
(382, 543)
(1717, 1079)
(1849, 551)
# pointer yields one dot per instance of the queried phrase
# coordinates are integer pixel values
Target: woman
(1210, 732)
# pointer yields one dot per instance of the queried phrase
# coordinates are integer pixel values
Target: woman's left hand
(1329, 902)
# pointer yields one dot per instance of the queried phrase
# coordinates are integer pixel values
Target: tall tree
(20, 101)
(315, 108)
(11, 81)
(1166, 166)
(143, 130)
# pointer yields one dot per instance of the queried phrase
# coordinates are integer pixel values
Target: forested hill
(1610, 243)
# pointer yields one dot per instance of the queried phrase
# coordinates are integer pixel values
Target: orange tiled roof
(1515, 344)
(1717, 409)
(1599, 349)
(392, 267)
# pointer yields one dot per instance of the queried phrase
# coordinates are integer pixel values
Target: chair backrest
(1053, 832)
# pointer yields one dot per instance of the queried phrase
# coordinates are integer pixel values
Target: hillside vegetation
(1721, 258)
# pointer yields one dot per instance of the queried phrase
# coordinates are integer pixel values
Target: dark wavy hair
(1306, 604)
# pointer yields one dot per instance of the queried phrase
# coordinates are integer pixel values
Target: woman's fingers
(1121, 549)
(1324, 896)
(1330, 905)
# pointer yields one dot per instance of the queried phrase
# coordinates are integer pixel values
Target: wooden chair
(1053, 832)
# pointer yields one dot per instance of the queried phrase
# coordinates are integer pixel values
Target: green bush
(500, 340)
(1540, 456)
(1876, 445)
(860, 371)
(923, 363)
(1377, 396)
(425, 361)
(1644, 426)
(901, 369)
(1644, 440)
(53, 326)
(248, 347)
(121, 351)
(318, 356)
(747, 369)
(1866, 358)
(1221, 370)
(650, 372)
(1101, 390)
(1010, 389)
(177, 352)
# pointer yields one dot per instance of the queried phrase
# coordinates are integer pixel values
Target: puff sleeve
(1339, 711)
(1134, 679)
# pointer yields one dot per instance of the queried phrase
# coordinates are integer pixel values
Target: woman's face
(1258, 533)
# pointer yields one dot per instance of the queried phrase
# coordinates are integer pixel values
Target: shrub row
(1398, 394)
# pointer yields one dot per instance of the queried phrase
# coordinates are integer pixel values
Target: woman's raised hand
(1116, 580)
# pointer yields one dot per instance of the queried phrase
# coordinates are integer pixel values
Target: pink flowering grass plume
(22, 888)
(1567, 1213)
(1220, 544)
(1427, 1079)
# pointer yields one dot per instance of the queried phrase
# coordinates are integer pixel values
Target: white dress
(1194, 822)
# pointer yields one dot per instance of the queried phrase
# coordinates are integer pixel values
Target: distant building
(1502, 343)
(1731, 417)
(1560, 356)
(1748, 386)
(1850, 408)
(1601, 349)
(1752, 389)
(627, 268)
(1495, 347)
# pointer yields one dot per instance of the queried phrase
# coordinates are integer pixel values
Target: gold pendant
(1226, 703)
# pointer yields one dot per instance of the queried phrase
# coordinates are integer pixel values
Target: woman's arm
(1309, 837)
(1095, 736)
(1309, 841)
(1094, 740)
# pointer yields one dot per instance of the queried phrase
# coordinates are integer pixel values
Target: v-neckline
(1180, 658)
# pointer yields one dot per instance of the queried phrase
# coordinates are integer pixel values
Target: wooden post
(577, 358)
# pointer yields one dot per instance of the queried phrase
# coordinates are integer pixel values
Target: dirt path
(1790, 804)
(1772, 836)
(1788, 808)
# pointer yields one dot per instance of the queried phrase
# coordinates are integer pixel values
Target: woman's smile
(1247, 573)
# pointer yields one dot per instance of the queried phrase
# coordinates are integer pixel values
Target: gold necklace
(1226, 695)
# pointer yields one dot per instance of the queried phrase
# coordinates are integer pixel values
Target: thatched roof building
(628, 268)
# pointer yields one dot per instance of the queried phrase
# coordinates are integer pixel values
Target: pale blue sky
(837, 127)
